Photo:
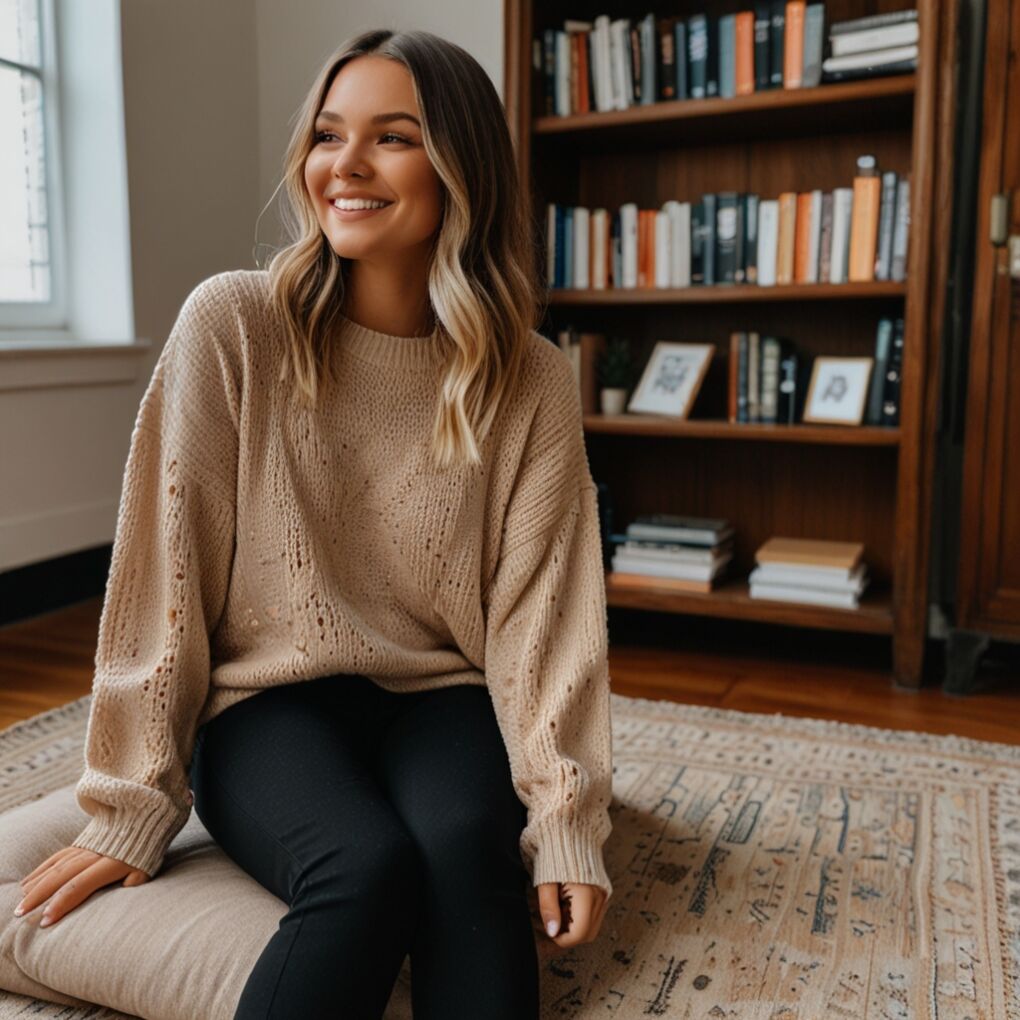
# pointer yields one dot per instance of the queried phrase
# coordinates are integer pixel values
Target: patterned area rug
(765, 868)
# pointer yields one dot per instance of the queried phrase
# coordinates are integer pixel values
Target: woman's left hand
(574, 908)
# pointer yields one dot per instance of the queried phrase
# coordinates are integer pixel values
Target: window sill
(34, 364)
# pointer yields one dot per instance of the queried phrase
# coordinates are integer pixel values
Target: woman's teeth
(358, 203)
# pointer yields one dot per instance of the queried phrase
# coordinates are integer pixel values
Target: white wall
(209, 92)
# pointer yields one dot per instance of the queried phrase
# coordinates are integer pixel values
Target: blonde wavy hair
(483, 276)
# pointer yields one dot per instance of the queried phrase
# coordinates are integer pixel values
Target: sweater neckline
(388, 350)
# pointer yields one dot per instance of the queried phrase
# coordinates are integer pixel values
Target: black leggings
(389, 825)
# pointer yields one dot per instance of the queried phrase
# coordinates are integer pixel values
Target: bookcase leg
(908, 661)
(964, 649)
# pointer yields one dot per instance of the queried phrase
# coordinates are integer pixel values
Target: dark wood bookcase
(812, 481)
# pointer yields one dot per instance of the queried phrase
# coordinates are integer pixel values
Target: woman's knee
(382, 866)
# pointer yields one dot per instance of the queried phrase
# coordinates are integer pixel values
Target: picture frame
(672, 378)
(838, 391)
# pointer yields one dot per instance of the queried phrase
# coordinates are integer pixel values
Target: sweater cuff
(140, 842)
(567, 853)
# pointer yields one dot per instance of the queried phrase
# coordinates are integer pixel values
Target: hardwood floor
(48, 661)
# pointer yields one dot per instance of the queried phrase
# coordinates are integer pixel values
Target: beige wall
(209, 90)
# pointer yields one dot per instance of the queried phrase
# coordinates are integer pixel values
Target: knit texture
(260, 543)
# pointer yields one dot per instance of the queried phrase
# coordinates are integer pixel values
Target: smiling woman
(360, 627)
(376, 194)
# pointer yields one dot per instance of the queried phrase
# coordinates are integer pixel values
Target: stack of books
(672, 552)
(818, 572)
(868, 47)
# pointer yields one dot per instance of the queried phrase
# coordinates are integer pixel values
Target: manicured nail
(552, 927)
(45, 921)
(19, 910)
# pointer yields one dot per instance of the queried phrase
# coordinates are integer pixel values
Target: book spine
(697, 54)
(793, 58)
(742, 387)
(776, 38)
(762, 24)
(744, 45)
(768, 241)
(726, 234)
(898, 268)
(825, 241)
(814, 44)
(887, 211)
(864, 228)
(680, 52)
(740, 256)
(697, 243)
(891, 392)
(727, 56)
(751, 240)
(709, 228)
(872, 21)
(883, 338)
(666, 69)
(712, 55)
(787, 234)
(753, 377)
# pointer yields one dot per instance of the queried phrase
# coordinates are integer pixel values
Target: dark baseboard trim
(39, 588)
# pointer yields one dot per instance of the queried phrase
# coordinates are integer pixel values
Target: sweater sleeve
(167, 585)
(546, 651)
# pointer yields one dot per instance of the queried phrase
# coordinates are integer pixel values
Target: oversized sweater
(259, 542)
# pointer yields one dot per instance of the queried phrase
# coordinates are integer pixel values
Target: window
(31, 253)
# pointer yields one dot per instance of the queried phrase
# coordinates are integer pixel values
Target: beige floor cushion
(191, 936)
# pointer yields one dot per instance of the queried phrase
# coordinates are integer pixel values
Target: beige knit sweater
(260, 543)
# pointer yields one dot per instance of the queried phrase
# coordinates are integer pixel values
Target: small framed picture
(838, 391)
(672, 378)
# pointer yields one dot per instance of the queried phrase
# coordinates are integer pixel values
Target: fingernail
(19, 910)
(45, 921)
(552, 927)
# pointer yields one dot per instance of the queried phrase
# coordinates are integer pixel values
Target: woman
(356, 597)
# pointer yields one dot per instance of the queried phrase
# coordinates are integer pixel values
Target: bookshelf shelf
(732, 599)
(879, 102)
(867, 484)
(878, 289)
(656, 425)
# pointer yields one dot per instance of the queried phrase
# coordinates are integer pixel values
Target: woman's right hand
(71, 876)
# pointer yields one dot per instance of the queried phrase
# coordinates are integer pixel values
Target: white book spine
(663, 247)
(876, 58)
(842, 210)
(628, 242)
(582, 218)
(768, 237)
(816, 598)
(875, 39)
(620, 45)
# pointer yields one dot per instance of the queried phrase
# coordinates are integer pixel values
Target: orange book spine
(864, 228)
(744, 47)
(793, 45)
(787, 234)
(802, 238)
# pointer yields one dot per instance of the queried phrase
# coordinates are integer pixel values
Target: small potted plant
(614, 369)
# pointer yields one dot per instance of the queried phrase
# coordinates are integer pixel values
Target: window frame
(26, 317)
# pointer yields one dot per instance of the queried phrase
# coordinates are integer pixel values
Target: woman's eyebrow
(379, 118)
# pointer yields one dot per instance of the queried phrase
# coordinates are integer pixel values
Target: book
(780, 593)
(793, 45)
(867, 188)
(868, 40)
(664, 526)
(818, 552)
(876, 385)
(789, 577)
(626, 581)
(870, 21)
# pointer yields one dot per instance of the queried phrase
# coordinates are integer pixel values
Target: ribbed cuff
(567, 854)
(138, 840)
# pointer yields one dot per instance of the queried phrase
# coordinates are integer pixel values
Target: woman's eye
(323, 135)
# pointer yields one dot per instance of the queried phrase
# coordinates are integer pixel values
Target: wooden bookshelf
(868, 484)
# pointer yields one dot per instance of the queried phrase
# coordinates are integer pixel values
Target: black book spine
(891, 393)
(742, 416)
(762, 67)
(739, 272)
(697, 243)
(680, 53)
(776, 36)
(709, 232)
(726, 237)
(712, 55)
(666, 55)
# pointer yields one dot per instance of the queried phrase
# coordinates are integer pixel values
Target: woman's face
(353, 154)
